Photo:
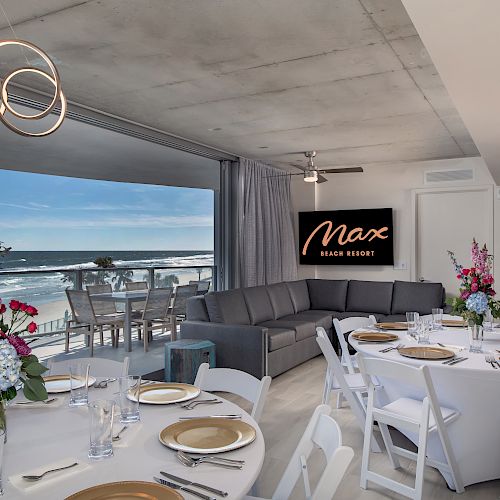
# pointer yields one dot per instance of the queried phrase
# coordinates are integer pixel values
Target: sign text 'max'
(346, 237)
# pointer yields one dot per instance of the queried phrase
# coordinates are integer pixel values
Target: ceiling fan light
(311, 176)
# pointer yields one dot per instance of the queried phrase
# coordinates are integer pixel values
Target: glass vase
(3, 419)
(475, 338)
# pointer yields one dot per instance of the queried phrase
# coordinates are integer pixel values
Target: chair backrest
(347, 325)
(131, 286)
(182, 293)
(81, 306)
(236, 382)
(322, 431)
(157, 303)
(101, 306)
(203, 286)
(99, 367)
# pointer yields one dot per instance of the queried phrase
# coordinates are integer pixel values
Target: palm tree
(163, 281)
(121, 277)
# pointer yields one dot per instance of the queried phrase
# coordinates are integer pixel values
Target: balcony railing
(50, 292)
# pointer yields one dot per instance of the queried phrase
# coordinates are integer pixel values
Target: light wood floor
(291, 401)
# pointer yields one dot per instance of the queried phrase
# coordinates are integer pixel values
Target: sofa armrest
(237, 346)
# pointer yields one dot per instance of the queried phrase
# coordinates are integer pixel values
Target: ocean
(43, 288)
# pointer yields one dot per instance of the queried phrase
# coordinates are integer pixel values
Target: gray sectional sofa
(267, 330)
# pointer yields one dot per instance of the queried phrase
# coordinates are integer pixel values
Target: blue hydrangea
(477, 302)
(10, 365)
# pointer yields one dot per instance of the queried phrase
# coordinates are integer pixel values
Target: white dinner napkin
(455, 348)
(31, 486)
(127, 436)
(36, 404)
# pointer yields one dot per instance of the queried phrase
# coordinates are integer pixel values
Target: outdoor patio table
(126, 298)
(471, 387)
(39, 437)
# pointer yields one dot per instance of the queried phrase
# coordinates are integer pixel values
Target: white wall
(379, 187)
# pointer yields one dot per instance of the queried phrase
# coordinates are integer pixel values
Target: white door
(448, 219)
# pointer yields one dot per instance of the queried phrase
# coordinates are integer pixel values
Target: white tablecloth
(48, 435)
(472, 387)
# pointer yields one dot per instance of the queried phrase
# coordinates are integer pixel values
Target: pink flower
(32, 327)
(466, 272)
(491, 292)
(14, 305)
(21, 346)
(474, 287)
(23, 307)
(2, 308)
(474, 279)
(465, 295)
(31, 311)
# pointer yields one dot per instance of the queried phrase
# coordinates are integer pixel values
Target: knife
(176, 486)
(230, 417)
(459, 360)
(197, 485)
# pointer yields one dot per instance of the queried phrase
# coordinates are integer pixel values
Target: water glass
(423, 331)
(101, 413)
(129, 409)
(79, 384)
(437, 318)
(488, 321)
(412, 322)
(2, 444)
(475, 338)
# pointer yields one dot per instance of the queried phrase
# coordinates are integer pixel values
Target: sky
(44, 212)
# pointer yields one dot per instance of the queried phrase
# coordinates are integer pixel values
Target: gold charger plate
(127, 490)
(374, 337)
(398, 325)
(457, 323)
(164, 393)
(207, 435)
(56, 384)
(423, 352)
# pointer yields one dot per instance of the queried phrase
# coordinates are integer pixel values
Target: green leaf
(34, 369)
(34, 390)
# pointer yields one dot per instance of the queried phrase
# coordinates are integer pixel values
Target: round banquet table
(44, 436)
(472, 387)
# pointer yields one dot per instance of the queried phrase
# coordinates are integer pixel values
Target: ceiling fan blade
(321, 179)
(344, 170)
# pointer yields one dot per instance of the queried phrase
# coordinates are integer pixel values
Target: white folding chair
(322, 432)
(421, 417)
(352, 385)
(99, 367)
(342, 327)
(236, 382)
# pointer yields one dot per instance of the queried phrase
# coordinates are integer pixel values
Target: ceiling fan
(314, 174)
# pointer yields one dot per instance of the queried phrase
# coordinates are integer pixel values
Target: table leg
(127, 327)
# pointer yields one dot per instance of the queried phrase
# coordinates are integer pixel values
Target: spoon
(116, 437)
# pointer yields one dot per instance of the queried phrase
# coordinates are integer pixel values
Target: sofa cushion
(353, 314)
(320, 318)
(389, 318)
(196, 309)
(328, 294)
(299, 293)
(280, 300)
(280, 337)
(303, 329)
(227, 307)
(258, 304)
(419, 297)
(369, 296)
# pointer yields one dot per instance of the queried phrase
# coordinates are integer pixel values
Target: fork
(392, 348)
(46, 402)
(490, 358)
(194, 462)
(213, 457)
(37, 477)
(192, 404)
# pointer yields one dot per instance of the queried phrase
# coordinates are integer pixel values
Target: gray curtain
(266, 242)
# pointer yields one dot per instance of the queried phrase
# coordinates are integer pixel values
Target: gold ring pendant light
(53, 78)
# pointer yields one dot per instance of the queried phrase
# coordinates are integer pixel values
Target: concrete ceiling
(263, 79)
(463, 39)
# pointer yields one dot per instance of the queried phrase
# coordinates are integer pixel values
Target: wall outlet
(400, 265)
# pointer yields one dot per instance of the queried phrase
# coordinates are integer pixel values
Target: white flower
(10, 365)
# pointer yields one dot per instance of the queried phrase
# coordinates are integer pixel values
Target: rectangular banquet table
(43, 436)
(472, 387)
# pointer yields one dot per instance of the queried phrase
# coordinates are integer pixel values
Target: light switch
(400, 265)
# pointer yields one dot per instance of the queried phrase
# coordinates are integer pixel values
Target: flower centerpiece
(477, 294)
(18, 366)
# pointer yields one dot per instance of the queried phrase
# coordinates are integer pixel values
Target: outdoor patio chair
(85, 321)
